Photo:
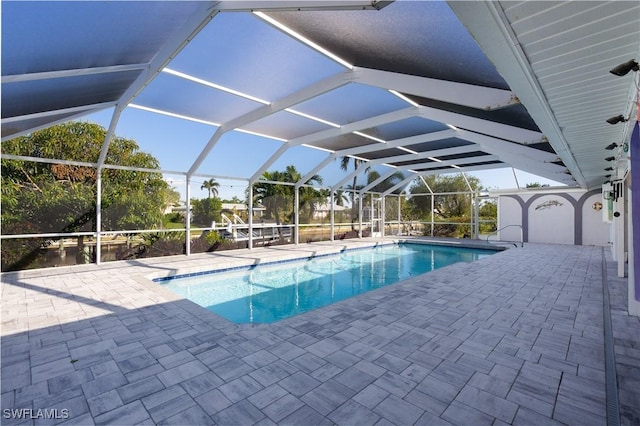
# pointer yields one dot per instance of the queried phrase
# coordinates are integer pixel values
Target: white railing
(509, 226)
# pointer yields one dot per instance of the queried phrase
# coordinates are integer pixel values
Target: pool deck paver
(515, 338)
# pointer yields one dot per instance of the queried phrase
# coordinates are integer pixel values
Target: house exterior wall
(509, 214)
(560, 217)
(551, 220)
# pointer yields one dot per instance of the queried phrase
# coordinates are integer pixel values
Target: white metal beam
(404, 182)
(429, 154)
(308, 92)
(297, 5)
(397, 143)
(80, 108)
(17, 78)
(435, 172)
(367, 123)
(498, 146)
(503, 131)
(485, 98)
(377, 181)
(265, 166)
(528, 159)
(75, 112)
(421, 155)
(316, 169)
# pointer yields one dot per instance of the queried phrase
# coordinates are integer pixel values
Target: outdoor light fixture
(617, 119)
(609, 158)
(611, 146)
(608, 169)
(623, 69)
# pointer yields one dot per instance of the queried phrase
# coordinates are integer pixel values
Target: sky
(240, 41)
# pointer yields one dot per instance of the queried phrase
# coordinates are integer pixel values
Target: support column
(360, 216)
(187, 224)
(332, 200)
(296, 214)
(382, 208)
(432, 212)
(250, 216)
(98, 250)
(399, 213)
(476, 230)
(471, 210)
(633, 295)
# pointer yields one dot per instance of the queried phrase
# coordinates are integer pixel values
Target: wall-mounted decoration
(548, 205)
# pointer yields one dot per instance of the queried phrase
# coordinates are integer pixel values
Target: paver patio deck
(515, 338)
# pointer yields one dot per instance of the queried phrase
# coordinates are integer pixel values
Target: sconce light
(608, 169)
(623, 69)
(609, 158)
(617, 119)
(611, 146)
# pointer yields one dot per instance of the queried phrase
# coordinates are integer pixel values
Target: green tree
(536, 185)
(449, 204)
(211, 186)
(452, 204)
(488, 211)
(58, 198)
(206, 210)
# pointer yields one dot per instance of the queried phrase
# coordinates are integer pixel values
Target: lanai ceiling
(420, 87)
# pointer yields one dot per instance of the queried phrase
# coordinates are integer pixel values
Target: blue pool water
(269, 293)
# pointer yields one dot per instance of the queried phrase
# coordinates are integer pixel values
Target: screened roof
(420, 87)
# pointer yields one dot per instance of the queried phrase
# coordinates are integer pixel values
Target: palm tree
(340, 197)
(270, 195)
(278, 199)
(344, 165)
(211, 186)
(309, 197)
(392, 180)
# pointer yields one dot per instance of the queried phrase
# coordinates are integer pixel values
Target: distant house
(241, 209)
(323, 210)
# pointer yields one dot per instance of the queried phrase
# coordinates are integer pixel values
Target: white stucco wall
(551, 217)
(509, 214)
(551, 220)
(594, 231)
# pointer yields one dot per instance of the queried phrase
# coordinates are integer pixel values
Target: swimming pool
(271, 292)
